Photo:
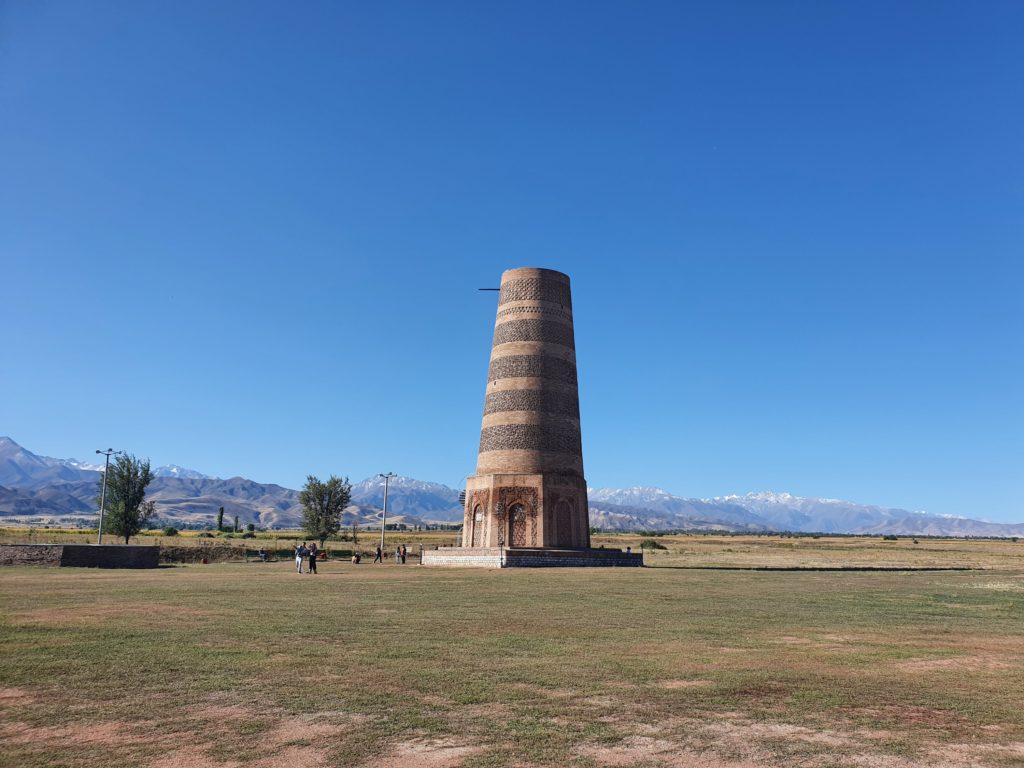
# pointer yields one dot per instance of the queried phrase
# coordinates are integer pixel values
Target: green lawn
(389, 665)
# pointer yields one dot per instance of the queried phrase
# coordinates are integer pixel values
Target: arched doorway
(478, 526)
(517, 526)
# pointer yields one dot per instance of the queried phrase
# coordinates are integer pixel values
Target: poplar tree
(127, 511)
(322, 505)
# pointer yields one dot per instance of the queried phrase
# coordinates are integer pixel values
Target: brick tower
(529, 490)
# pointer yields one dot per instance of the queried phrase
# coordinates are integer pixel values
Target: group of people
(310, 553)
(399, 554)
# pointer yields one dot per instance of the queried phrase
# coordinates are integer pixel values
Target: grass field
(251, 664)
(699, 550)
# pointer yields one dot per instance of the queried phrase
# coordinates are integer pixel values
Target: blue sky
(247, 237)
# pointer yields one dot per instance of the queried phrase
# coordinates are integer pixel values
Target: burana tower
(527, 502)
(528, 490)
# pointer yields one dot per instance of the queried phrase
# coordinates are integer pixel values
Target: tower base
(530, 557)
(526, 511)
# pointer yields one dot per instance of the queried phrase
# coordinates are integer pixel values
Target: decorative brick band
(549, 438)
(534, 289)
(534, 330)
(538, 366)
(548, 312)
(538, 401)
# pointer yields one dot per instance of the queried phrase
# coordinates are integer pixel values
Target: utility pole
(384, 517)
(103, 493)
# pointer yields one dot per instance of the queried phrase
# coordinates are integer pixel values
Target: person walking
(313, 552)
(300, 552)
(378, 558)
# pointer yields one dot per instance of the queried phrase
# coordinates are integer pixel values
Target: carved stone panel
(478, 526)
(517, 525)
(520, 533)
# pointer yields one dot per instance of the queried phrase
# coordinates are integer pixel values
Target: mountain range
(43, 490)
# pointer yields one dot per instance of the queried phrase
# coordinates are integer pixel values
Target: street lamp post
(103, 493)
(384, 517)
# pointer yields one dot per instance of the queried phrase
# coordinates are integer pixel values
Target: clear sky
(247, 237)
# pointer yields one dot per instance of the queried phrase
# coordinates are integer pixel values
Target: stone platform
(530, 557)
(80, 555)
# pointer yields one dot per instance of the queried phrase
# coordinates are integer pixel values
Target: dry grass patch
(980, 663)
(675, 685)
(425, 753)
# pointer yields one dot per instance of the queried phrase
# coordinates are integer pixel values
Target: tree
(127, 511)
(322, 505)
(236, 529)
(220, 519)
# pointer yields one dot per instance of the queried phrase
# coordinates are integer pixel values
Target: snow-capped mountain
(676, 511)
(39, 487)
(173, 470)
(20, 468)
(407, 495)
(76, 464)
(653, 508)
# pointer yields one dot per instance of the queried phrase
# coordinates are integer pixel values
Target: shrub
(652, 544)
(170, 530)
(205, 535)
(249, 535)
(890, 537)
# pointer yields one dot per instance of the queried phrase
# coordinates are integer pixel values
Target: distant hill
(40, 489)
(647, 508)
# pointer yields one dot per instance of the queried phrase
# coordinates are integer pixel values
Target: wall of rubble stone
(80, 555)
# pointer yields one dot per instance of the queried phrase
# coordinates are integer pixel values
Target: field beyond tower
(527, 502)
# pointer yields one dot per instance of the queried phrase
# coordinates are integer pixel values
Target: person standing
(313, 552)
(378, 558)
(403, 554)
(398, 555)
(300, 552)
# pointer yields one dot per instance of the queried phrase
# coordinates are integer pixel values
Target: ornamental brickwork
(535, 289)
(533, 366)
(532, 400)
(534, 330)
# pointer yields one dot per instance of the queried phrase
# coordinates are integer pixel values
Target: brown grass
(232, 665)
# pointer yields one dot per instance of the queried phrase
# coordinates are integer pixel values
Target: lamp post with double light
(384, 517)
(103, 493)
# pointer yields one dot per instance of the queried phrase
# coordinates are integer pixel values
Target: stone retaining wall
(498, 557)
(212, 553)
(80, 555)
(30, 554)
(464, 557)
(582, 558)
